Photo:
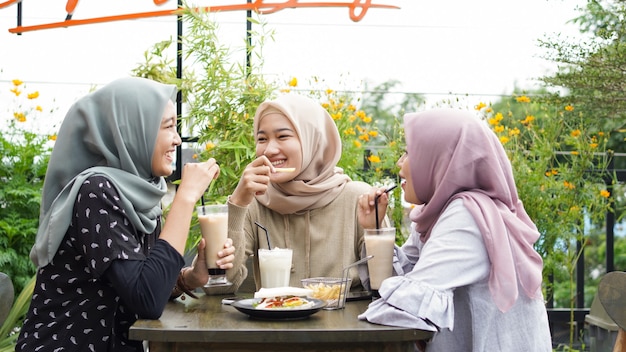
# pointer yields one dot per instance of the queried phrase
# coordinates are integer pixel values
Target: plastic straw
(267, 234)
(376, 203)
(202, 200)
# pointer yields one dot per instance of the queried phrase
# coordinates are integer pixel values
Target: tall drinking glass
(379, 243)
(213, 221)
(275, 267)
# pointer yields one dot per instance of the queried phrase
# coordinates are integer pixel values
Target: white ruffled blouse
(446, 291)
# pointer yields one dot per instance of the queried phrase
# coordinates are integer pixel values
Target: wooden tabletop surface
(207, 320)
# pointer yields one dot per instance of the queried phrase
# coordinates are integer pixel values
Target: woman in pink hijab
(469, 271)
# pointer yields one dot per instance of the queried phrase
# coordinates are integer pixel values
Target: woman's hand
(367, 210)
(254, 181)
(198, 275)
(196, 178)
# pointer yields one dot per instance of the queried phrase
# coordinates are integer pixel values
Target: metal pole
(179, 97)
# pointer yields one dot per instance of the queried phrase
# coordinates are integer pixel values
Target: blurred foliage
(24, 154)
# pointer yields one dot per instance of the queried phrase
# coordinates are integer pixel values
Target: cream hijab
(320, 180)
(453, 155)
(110, 132)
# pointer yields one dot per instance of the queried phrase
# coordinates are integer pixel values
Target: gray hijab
(110, 132)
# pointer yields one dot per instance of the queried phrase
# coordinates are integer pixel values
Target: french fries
(325, 292)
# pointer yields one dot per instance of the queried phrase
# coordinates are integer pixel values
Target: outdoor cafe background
(472, 50)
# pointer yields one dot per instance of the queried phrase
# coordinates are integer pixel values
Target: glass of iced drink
(213, 221)
(275, 267)
(379, 243)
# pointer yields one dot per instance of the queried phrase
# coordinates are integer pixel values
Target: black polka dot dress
(75, 307)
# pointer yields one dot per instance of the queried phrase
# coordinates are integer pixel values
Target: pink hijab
(320, 180)
(454, 155)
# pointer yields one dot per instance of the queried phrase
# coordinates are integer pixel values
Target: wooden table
(207, 325)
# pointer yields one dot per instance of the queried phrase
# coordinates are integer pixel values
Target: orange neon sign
(357, 9)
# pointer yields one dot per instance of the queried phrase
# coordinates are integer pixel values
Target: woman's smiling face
(278, 141)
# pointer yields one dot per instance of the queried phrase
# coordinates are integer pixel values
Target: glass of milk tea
(379, 243)
(213, 219)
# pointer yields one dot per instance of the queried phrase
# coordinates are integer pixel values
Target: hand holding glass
(213, 221)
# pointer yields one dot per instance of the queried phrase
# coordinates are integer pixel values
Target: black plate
(246, 306)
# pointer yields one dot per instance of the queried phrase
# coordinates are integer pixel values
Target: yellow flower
(523, 99)
(498, 128)
(19, 116)
(568, 185)
(504, 139)
(194, 156)
(569, 108)
(493, 121)
(336, 116)
(374, 158)
(16, 91)
(593, 145)
(575, 133)
(514, 132)
(39, 108)
(52, 137)
(17, 82)
(364, 137)
(480, 106)
(33, 95)
(373, 133)
(604, 193)
(499, 117)
(573, 152)
(367, 119)
(600, 134)
(351, 107)
(527, 121)
(209, 146)
(285, 90)
(361, 114)
(293, 82)
(356, 143)
(349, 131)
(329, 91)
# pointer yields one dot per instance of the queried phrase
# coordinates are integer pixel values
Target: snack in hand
(284, 169)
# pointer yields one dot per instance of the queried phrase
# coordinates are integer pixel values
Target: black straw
(202, 200)
(376, 203)
(267, 234)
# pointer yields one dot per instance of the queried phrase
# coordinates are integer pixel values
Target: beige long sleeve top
(323, 240)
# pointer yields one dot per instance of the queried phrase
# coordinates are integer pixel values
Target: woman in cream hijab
(469, 271)
(103, 259)
(296, 191)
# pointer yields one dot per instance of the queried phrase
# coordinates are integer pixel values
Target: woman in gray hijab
(103, 259)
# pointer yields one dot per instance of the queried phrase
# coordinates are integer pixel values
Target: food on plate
(284, 169)
(283, 298)
(284, 302)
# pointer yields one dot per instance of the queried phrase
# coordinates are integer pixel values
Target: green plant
(9, 331)
(24, 152)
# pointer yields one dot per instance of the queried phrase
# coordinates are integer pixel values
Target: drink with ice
(275, 267)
